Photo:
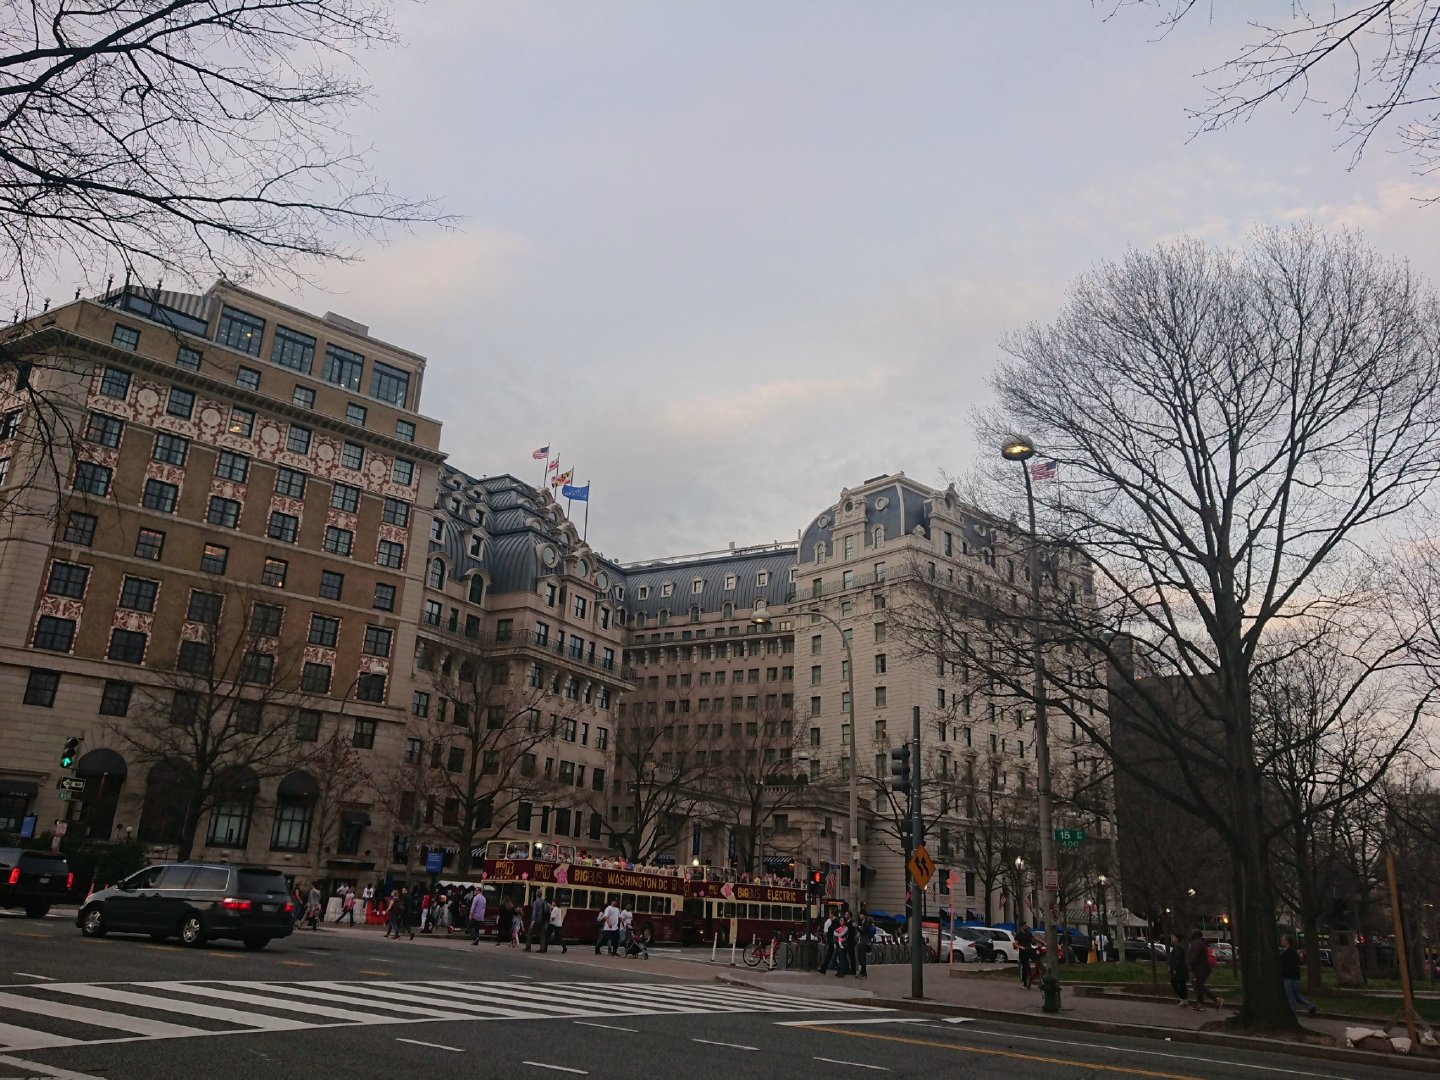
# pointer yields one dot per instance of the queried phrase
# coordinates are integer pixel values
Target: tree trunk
(1265, 1007)
(1310, 927)
(185, 846)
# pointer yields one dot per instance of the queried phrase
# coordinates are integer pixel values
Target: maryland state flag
(564, 478)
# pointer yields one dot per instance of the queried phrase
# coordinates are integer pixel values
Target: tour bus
(690, 906)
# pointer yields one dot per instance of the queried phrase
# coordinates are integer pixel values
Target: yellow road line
(296, 963)
(958, 1048)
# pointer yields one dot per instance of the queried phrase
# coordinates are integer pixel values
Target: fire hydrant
(1050, 991)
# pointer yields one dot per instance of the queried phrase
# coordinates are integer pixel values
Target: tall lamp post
(1101, 882)
(1019, 449)
(762, 618)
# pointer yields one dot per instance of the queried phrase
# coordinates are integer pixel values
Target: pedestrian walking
(556, 933)
(347, 905)
(841, 929)
(1201, 963)
(1025, 942)
(425, 900)
(539, 923)
(1290, 975)
(609, 929)
(395, 912)
(1179, 969)
(503, 919)
(477, 916)
(627, 927)
(852, 943)
(827, 936)
(367, 897)
(313, 905)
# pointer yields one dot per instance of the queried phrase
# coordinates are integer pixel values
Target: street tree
(217, 722)
(659, 766)
(342, 776)
(1235, 433)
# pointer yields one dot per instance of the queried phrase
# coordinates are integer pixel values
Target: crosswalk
(69, 1013)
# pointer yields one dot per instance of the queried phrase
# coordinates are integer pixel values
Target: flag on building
(1045, 470)
(543, 452)
(564, 478)
(577, 492)
(555, 465)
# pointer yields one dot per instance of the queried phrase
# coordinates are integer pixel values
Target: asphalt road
(350, 1004)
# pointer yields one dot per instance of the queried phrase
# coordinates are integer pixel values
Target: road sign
(71, 783)
(921, 866)
(1070, 837)
(62, 795)
(1051, 879)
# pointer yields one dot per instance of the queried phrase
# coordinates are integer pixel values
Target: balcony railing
(529, 638)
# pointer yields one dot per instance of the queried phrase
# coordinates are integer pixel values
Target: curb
(1107, 994)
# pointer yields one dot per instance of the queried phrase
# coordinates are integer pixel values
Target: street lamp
(762, 618)
(1019, 449)
(1101, 882)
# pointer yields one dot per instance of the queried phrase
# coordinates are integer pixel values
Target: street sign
(1051, 879)
(71, 783)
(62, 795)
(1070, 837)
(921, 866)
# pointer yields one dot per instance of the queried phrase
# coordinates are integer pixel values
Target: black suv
(33, 880)
(197, 902)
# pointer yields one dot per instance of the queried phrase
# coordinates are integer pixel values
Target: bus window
(495, 849)
(520, 850)
(562, 897)
(642, 905)
(628, 901)
(662, 905)
(765, 912)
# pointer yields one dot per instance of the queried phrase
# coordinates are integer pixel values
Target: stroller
(639, 944)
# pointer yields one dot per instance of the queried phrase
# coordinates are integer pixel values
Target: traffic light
(817, 882)
(67, 756)
(900, 768)
(907, 841)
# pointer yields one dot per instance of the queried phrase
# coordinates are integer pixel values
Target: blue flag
(572, 491)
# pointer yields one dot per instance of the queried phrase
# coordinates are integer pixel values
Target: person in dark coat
(1179, 969)
(1198, 957)
(1290, 974)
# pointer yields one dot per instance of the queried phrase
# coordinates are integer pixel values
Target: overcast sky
(728, 258)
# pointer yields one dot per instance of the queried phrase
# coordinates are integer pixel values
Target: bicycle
(759, 954)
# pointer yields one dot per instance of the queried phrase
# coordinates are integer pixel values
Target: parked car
(1077, 950)
(963, 947)
(1223, 950)
(197, 902)
(33, 880)
(980, 938)
(1141, 949)
(1004, 941)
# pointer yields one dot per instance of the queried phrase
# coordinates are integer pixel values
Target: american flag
(542, 453)
(1045, 470)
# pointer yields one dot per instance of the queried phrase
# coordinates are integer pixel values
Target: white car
(1005, 947)
(964, 949)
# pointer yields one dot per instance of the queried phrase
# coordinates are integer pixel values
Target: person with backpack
(1025, 943)
(1201, 962)
(1179, 969)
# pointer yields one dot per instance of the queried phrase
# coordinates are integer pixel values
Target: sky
(727, 259)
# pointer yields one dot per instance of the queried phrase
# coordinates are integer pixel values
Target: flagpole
(545, 474)
(585, 532)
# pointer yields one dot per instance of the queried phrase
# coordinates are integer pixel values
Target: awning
(298, 785)
(18, 789)
(354, 862)
(664, 860)
(778, 862)
(355, 817)
(237, 778)
(102, 762)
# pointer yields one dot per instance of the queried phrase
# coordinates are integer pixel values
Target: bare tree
(341, 774)
(216, 723)
(1227, 427)
(658, 777)
(1367, 65)
(185, 137)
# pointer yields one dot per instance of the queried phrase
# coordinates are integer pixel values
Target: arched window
(294, 809)
(879, 535)
(820, 551)
(728, 611)
(437, 574)
(695, 613)
(477, 590)
(162, 816)
(467, 672)
(664, 617)
(640, 619)
(233, 809)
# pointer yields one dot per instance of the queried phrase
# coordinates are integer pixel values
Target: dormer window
(879, 535)
(730, 582)
(762, 578)
(666, 588)
(643, 592)
(697, 586)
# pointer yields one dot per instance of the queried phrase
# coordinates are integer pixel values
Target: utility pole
(917, 936)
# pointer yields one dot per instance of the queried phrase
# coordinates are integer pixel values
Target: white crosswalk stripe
(68, 1013)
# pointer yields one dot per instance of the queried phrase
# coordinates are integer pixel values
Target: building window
(188, 358)
(273, 573)
(204, 607)
(389, 384)
(391, 554)
(403, 472)
(160, 496)
(127, 646)
(54, 633)
(231, 466)
(291, 831)
(303, 396)
(477, 590)
(352, 456)
(436, 578)
(80, 528)
(315, 678)
(92, 479)
(377, 641)
(307, 725)
(344, 497)
(181, 403)
(240, 330)
(247, 379)
(342, 367)
(68, 579)
(265, 619)
(242, 422)
(213, 559)
(230, 820)
(297, 441)
(223, 512)
(405, 431)
(149, 544)
(370, 688)
(283, 527)
(40, 688)
(331, 584)
(290, 484)
(195, 657)
(138, 594)
(384, 597)
(257, 667)
(324, 630)
(10, 424)
(420, 703)
(115, 698)
(355, 413)
(396, 512)
(431, 613)
(115, 383)
(762, 578)
(170, 449)
(338, 541)
(292, 349)
(880, 697)
(125, 337)
(104, 430)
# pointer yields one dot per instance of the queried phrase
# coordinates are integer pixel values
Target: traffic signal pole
(917, 936)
